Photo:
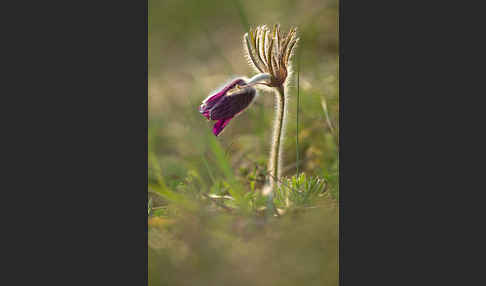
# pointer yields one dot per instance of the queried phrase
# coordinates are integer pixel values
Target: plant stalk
(275, 162)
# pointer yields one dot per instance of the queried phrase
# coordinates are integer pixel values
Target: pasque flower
(269, 52)
(227, 103)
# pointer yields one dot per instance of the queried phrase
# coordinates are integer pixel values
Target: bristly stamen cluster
(270, 51)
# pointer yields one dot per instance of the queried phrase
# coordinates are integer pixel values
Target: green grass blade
(157, 170)
(236, 190)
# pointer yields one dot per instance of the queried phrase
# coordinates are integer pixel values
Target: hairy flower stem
(275, 162)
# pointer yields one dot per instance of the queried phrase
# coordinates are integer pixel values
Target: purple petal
(220, 125)
(204, 111)
(223, 106)
(211, 100)
(231, 105)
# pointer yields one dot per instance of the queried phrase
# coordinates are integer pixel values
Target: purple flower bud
(226, 103)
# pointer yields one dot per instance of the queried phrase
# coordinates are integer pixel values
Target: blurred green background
(194, 48)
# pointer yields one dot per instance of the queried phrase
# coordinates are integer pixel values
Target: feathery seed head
(269, 51)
